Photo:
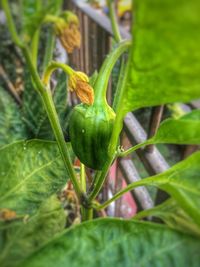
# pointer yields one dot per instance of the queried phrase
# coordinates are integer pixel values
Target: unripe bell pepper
(90, 129)
(91, 124)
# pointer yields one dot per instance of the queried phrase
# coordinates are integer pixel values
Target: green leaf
(182, 182)
(173, 216)
(33, 13)
(20, 239)
(113, 242)
(164, 63)
(30, 172)
(34, 113)
(185, 130)
(12, 127)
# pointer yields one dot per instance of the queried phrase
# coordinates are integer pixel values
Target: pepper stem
(106, 69)
(54, 66)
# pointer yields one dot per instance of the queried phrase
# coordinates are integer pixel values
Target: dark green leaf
(165, 55)
(20, 239)
(113, 242)
(30, 171)
(12, 127)
(175, 217)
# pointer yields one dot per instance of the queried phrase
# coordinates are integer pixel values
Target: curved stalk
(113, 19)
(46, 96)
(11, 25)
(105, 71)
(100, 95)
(52, 67)
(49, 49)
(132, 149)
(121, 193)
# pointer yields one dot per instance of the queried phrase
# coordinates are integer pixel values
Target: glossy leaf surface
(164, 63)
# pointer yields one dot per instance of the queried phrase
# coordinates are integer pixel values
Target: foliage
(11, 124)
(163, 67)
(20, 239)
(24, 166)
(34, 114)
(33, 12)
(113, 242)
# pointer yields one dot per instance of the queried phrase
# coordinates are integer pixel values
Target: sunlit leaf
(185, 130)
(164, 63)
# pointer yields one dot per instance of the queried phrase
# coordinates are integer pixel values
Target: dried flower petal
(70, 37)
(7, 215)
(85, 92)
(79, 82)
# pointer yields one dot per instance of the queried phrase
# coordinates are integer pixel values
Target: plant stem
(99, 181)
(53, 117)
(119, 83)
(46, 96)
(11, 25)
(49, 48)
(122, 192)
(83, 178)
(100, 95)
(132, 149)
(105, 71)
(34, 47)
(113, 19)
(119, 115)
(87, 214)
(35, 40)
(52, 67)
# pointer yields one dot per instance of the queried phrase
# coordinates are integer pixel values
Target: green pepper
(90, 130)
(91, 124)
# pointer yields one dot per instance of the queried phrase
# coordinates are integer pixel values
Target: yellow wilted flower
(79, 83)
(67, 29)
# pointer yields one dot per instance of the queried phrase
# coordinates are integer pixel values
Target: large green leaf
(164, 63)
(30, 171)
(12, 127)
(113, 242)
(34, 113)
(20, 239)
